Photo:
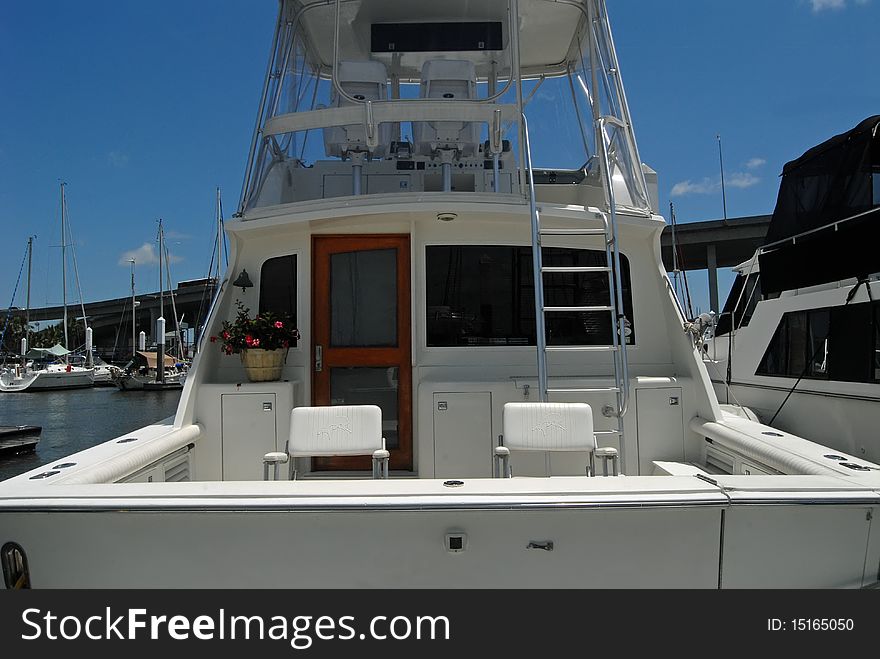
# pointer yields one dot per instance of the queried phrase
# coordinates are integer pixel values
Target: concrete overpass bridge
(111, 320)
(714, 244)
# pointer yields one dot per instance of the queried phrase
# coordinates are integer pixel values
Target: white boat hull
(610, 536)
(49, 379)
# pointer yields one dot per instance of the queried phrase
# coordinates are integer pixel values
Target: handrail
(388, 112)
(618, 301)
(537, 266)
(793, 239)
(248, 172)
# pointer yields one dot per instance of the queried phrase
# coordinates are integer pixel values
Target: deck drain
(773, 434)
(453, 483)
(835, 457)
(127, 440)
(45, 474)
(854, 466)
(64, 465)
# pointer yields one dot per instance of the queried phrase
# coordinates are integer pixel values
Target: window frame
(422, 320)
(298, 301)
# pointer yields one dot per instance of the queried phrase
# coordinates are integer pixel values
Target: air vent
(178, 473)
(721, 461)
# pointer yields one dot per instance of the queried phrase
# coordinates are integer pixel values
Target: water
(77, 419)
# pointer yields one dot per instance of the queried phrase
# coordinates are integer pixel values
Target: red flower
(256, 343)
(213, 339)
(279, 324)
(225, 335)
(249, 340)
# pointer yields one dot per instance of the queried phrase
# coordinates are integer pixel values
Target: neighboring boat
(51, 368)
(103, 373)
(802, 320)
(19, 440)
(141, 374)
(446, 290)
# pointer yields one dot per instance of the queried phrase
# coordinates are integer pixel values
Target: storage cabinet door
(463, 443)
(660, 427)
(248, 434)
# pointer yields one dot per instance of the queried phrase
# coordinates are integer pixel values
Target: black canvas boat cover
(833, 181)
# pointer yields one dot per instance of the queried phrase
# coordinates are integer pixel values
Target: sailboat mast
(160, 329)
(133, 313)
(219, 233)
(27, 312)
(161, 283)
(64, 265)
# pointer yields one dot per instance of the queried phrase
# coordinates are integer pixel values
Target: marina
(71, 421)
(434, 362)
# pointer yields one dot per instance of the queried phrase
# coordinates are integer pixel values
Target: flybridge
(389, 98)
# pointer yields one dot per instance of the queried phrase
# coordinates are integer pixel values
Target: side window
(836, 343)
(484, 296)
(740, 305)
(775, 361)
(851, 343)
(278, 286)
(877, 342)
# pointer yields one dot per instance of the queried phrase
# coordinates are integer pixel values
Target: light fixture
(244, 282)
(446, 217)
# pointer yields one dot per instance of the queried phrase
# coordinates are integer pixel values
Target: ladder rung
(582, 309)
(572, 232)
(579, 348)
(574, 269)
(601, 390)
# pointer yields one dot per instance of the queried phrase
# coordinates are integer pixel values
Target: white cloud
(708, 185)
(117, 158)
(146, 254)
(821, 5)
(742, 180)
(754, 163)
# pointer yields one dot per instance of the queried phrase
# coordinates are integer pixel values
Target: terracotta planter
(263, 365)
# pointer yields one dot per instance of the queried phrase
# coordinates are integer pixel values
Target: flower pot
(263, 365)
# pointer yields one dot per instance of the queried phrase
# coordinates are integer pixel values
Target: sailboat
(51, 368)
(144, 372)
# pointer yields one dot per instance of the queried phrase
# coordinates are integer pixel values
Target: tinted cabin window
(278, 286)
(741, 302)
(484, 296)
(852, 341)
(877, 343)
(836, 343)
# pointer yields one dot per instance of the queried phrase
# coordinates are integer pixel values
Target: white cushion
(335, 430)
(366, 80)
(447, 79)
(548, 427)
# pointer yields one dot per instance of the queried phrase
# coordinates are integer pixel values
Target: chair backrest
(548, 427)
(366, 80)
(451, 80)
(335, 430)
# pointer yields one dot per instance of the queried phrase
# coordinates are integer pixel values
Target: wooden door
(361, 352)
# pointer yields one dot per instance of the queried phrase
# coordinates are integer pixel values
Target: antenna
(723, 191)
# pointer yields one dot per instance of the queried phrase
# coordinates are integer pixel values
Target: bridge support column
(713, 278)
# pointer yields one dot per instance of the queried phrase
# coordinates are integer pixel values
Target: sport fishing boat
(802, 321)
(494, 384)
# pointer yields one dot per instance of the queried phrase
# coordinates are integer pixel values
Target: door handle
(319, 358)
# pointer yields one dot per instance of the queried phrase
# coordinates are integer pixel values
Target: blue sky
(144, 108)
